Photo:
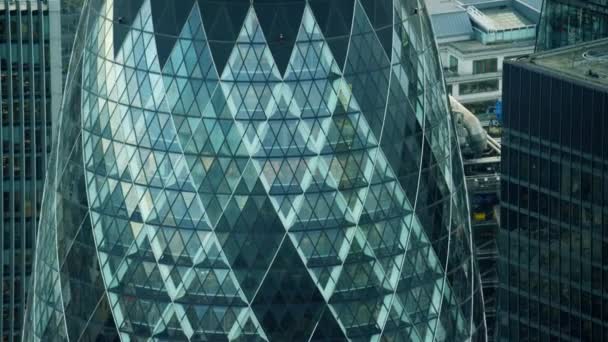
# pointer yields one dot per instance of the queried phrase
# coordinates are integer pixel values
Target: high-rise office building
(255, 170)
(567, 22)
(553, 242)
(27, 100)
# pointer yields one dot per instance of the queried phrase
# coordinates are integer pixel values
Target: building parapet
(512, 34)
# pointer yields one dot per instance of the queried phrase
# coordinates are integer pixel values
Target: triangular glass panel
(288, 303)
(380, 14)
(328, 329)
(223, 21)
(335, 20)
(280, 22)
(251, 241)
(168, 19)
(125, 13)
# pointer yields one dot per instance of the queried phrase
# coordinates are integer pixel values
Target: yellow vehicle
(479, 216)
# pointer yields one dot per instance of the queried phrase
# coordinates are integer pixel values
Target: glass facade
(567, 22)
(255, 170)
(479, 87)
(25, 102)
(553, 242)
(70, 14)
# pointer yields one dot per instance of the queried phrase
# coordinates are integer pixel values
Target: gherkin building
(255, 170)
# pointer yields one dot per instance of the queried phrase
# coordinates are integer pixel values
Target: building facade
(567, 22)
(70, 15)
(553, 242)
(474, 38)
(481, 156)
(255, 170)
(27, 101)
(483, 186)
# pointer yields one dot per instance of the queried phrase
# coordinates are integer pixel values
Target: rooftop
(505, 18)
(443, 6)
(452, 24)
(587, 61)
(473, 46)
(534, 4)
(449, 19)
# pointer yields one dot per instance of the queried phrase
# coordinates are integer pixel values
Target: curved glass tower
(255, 171)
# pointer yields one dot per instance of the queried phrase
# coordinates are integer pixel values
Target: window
(449, 89)
(478, 87)
(483, 66)
(453, 65)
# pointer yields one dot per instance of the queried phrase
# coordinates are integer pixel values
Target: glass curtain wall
(567, 22)
(256, 170)
(25, 102)
(553, 242)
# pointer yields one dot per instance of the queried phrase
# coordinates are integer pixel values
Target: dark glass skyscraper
(70, 15)
(255, 171)
(553, 242)
(27, 102)
(567, 22)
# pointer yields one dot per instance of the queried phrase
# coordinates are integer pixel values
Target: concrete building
(474, 38)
